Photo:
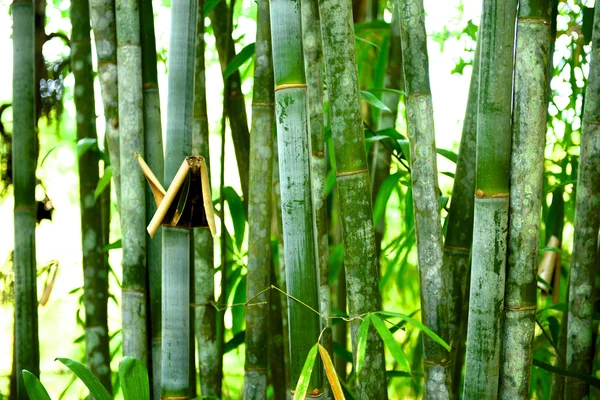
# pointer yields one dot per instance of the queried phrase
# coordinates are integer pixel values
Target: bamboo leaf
(235, 342)
(62, 142)
(419, 325)
(390, 342)
(240, 58)
(238, 314)
(342, 352)
(450, 155)
(373, 100)
(34, 387)
(118, 244)
(238, 215)
(405, 146)
(361, 341)
(336, 260)
(134, 379)
(559, 371)
(90, 381)
(210, 5)
(304, 380)
(385, 191)
(334, 381)
(388, 90)
(86, 144)
(103, 182)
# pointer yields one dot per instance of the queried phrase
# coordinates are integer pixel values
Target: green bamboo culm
(587, 222)
(175, 358)
(24, 165)
(313, 65)
(259, 211)
(354, 188)
(104, 25)
(526, 183)
(434, 279)
(294, 171)
(95, 270)
(486, 298)
(459, 231)
(153, 151)
(209, 359)
(132, 207)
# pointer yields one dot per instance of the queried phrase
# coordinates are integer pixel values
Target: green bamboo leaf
(342, 352)
(385, 191)
(405, 146)
(240, 58)
(388, 90)
(90, 381)
(235, 342)
(450, 155)
(373, 100)
(559, 371)
(104, 182)
(238, 313)
(209, 6)
(367, 42)
(397, 374)
(304, 380)
(118, 244)
(336, 260)
(86, 144)
(238, 215)
(134, 379)
(62, 142)
(419, 325)
(34, 387)
(361, 342)
(390, 342)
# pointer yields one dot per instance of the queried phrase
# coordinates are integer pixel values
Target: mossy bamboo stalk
(95, 270)
(209, 360)
(587, 223)
(259, 211)
(434, 279)
(526, 182)
(24, 165)
(313, 65)
(486, 300)
(234, 97)
(353, 184)
(132, 207)
(102, 14)
(176, 242)
(294, 171)
(459, 232)
(153, 146)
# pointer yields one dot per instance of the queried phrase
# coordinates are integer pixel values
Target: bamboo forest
(299, 199)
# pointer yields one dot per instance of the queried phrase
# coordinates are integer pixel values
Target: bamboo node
(355, 172)
(289, 86)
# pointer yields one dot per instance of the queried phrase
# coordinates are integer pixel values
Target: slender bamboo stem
(176, 242)
(209, 360)
(486, 300)
(294, 170)
(353, 183)
(95, 277)
(234, 97)
(526, 182)
(102, 14)
(587, 223)
(276, 341)
(434, 280)
(459, 233)
(153, 146)
(24, 163)
(132, 206)
(259, 215)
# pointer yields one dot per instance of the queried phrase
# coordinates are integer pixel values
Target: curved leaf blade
(134, 379)
(34, 387)
(390, 342)
(332, 376)
(361, 342)
(373, 100)
(419, 325)
(385, 191)
(240, 58)
(304, 380)
(90, 381)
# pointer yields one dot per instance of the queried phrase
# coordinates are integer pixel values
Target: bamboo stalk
(360, 259)
(276, 341)
(486, 300)
(587, 223)
(24, 163)
(102, 14)
(209, 361)
(153, 147)
(132, 207)
(294, 170)
(95, 270)
(459, 233)
(175, 358)
(526, 182)
(434, 280)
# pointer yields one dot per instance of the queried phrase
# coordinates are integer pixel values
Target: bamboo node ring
(289, 86)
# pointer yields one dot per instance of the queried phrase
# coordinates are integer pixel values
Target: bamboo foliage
(294, 171)
(360, 260)
(587, 222)
(486, 300)
(526, 181)
(209, 358)
(133, 213)
(95, 282)
(175, 356)
(24, 166)
(434, 280)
